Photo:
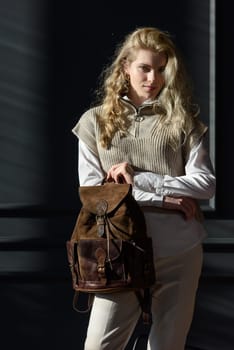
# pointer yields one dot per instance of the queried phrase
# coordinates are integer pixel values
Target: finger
(120, 179)
(108, 175)
(188, 210)
(128, 179)
(192, 207)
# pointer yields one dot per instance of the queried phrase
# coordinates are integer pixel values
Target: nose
(151, 76)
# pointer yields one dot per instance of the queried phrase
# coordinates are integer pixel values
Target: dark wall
(52, 54)
(224, 110)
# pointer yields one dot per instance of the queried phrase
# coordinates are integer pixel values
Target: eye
(144, 68)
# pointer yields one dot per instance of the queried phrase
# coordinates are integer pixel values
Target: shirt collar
(146, 102)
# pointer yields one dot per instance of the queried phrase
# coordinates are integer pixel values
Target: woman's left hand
(185, 204)
(121, 173)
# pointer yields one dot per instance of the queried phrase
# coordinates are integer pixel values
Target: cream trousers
(114, 316)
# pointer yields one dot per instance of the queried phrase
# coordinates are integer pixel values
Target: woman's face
(146, 74)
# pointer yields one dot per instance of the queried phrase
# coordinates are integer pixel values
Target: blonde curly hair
(174, 103)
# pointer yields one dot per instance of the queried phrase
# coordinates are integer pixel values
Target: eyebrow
(144, 64)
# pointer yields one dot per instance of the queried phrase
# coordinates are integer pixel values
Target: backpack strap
(145, 301)
(89, 302)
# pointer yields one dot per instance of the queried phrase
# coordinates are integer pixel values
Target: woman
(146, 132)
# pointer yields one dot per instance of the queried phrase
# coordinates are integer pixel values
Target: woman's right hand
(121, 173)
(185, 204)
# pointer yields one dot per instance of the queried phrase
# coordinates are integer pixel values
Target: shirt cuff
(149, 182)
(147, 198)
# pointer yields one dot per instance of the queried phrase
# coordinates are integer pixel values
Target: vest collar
(146, 108)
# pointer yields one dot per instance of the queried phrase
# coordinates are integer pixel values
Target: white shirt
(171, 233)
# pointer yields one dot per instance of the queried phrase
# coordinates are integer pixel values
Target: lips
(148, 87)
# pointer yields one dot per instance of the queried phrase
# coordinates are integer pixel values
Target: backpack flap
(109, 207)
(90, 196)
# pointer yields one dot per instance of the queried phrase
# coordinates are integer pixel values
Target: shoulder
(87, 121)
(194, 134)
(195, 129)
(198, 130)
(87, 128)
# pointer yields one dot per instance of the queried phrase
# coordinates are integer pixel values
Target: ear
(126, 67)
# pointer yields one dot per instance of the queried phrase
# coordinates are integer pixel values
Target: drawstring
(108, 242)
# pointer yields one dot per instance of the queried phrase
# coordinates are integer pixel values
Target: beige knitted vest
(146, 146)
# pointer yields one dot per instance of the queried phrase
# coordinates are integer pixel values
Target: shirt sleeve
(198, 182)
(90, 172)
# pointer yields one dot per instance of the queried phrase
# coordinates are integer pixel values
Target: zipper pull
(139, 118)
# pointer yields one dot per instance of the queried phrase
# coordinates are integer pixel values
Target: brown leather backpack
(109, 249)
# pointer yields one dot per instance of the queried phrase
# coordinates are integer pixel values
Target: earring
(126, 82)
